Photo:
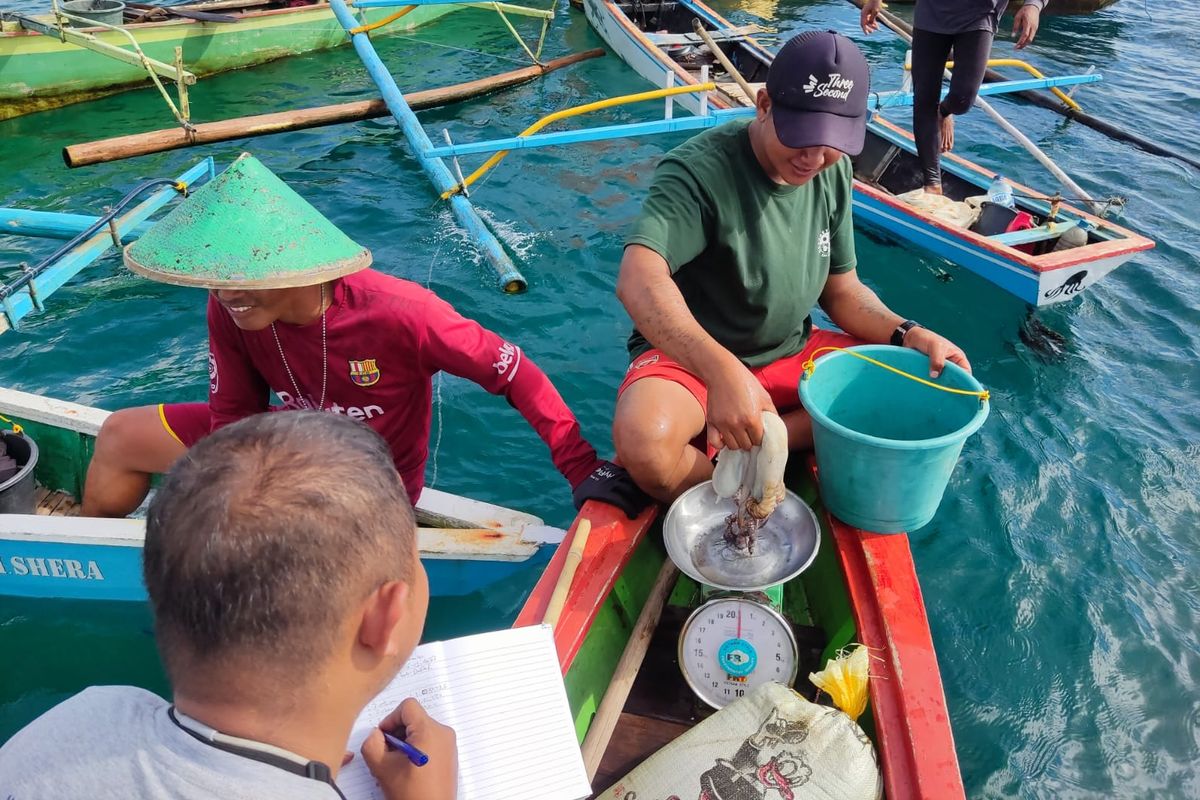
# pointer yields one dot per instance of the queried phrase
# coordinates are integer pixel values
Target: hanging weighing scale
(732, 644)
(738, 638)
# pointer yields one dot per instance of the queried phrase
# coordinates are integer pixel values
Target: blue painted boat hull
(30, 568)
(1044, 279)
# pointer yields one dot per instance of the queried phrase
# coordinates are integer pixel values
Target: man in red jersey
(294, 310)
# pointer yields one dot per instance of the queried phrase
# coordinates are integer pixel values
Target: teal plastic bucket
(886, 445)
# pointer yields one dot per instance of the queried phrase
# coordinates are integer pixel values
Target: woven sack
(770, 745)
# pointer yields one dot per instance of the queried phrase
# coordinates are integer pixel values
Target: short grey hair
(266, 532)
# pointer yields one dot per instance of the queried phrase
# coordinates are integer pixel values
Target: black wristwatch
(901, 330)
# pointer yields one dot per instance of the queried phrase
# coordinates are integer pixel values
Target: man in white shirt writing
(281, 563)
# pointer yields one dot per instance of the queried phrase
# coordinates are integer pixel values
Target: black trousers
(930, 51)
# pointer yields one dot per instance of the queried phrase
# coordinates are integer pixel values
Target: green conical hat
(246, 229)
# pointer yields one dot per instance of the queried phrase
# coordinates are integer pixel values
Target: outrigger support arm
(90, 42)
(531, 141)
(23, 295)
(510, 280)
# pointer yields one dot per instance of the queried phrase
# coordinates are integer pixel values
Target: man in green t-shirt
(746, 228)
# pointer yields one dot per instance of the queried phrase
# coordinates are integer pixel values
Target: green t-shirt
(750, 257)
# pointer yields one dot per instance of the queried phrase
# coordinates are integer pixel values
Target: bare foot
(947, 133)
(933, 188)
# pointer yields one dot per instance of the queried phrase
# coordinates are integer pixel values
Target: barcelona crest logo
(364, 373)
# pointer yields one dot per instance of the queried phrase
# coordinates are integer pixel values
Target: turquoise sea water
(1060, 572)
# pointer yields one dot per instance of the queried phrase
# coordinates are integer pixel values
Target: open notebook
(503, 694)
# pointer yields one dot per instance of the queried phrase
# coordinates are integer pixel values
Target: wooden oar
(199, 16)
(609, 712)
(751, 95)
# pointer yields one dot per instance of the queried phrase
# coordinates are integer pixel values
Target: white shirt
(118, 743)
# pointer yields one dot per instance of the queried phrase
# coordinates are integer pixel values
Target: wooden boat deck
(639, 738)
(56, 504)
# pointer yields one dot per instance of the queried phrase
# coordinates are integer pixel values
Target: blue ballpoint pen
(418, 758)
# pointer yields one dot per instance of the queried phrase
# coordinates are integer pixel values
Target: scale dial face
(731, 645)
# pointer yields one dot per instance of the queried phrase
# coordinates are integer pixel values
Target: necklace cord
(300, 398)
(314, 770)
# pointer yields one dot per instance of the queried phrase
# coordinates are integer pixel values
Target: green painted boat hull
(40, 72)
(818, 597)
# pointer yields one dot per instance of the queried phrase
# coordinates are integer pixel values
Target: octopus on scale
(754, 480)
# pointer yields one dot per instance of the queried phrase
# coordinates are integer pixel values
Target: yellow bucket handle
(17, 429)
(811, 364)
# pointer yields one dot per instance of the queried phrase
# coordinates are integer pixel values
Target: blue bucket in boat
(886, 444)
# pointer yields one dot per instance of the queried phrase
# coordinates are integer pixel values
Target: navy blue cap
(818, 85)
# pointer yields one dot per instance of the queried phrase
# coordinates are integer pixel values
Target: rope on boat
(17, 429)
(437, 385)
(810, 366)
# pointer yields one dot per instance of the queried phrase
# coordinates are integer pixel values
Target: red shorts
(780, 378)
(187, 423)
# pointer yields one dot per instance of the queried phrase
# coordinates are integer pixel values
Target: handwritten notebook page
(503, 694)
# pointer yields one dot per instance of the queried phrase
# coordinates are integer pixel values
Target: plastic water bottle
(1000, 193)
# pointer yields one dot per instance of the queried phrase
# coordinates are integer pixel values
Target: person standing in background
(939, 26)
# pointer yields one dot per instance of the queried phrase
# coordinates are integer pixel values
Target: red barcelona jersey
(386, 338)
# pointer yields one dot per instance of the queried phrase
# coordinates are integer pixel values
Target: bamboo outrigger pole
(140, 144)
(1037, 98)
(508, 277)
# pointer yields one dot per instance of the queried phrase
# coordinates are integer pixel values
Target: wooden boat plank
(57, 504)
(57, 521)
(738, 33)
(465, 544)
(444, 510)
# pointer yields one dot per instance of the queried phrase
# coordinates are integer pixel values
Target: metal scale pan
(694, 534)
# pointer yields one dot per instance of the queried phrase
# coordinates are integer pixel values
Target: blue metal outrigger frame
(23, 294)
(510, 279)
(879, 101)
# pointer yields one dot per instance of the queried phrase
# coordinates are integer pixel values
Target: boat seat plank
(720, 35)
(639, 737)
(1038, 234)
